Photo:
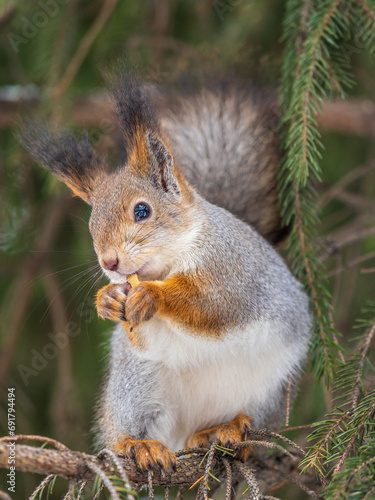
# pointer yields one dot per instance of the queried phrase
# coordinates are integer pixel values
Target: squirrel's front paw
(110, 302)
(141, 304)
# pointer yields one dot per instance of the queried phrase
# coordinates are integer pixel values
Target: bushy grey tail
(224, 137)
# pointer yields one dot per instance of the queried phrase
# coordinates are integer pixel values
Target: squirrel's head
(143, 212)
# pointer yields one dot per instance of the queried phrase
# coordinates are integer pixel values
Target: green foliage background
(40, 291)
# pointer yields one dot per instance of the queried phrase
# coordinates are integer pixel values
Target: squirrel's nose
(110, 263)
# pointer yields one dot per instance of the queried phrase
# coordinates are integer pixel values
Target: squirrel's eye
(141, 212)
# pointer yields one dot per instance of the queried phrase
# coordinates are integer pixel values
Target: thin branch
(98, 493)
(106, 481)
(42, 485)
(303, 487)
(70, 493)
(28, 437)
(151, 494)
(351, 263)
(60, 42)
(251, 480)
(353, 439)
(202, 490)
(166, 492)
(307, 98)
(120, 469)
(7, 15)
(275, 435)
(64, 390)
(345, 181)
(369, 494)
(181, 492)
(345, 454)
(317, 451)
(22, 291)
(356, 201)
(295, 428)
(228, 470)
(362, 466)
(266, 444)
(348, 236)
(367, 270)
(368, 12)
(301, 233)
(355, 116)
(83, 49)
(350, 117)
(80, 491)
(365, 348)
(4, 496)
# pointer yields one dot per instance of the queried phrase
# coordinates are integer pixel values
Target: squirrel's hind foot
(147, 454)
(228, 435)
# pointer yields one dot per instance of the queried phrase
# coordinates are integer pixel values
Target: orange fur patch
(180, 299)
(139, 161)
(134, 336)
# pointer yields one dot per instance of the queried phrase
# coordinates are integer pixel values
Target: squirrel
(208, 341)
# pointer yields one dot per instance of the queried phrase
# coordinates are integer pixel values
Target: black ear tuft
(162, 164)
(71, 160)
(135, 110)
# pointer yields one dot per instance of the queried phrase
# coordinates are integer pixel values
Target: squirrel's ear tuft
(162, 164)
(135, 110)
(72, 161)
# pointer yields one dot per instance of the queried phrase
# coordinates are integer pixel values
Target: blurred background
(53, 348)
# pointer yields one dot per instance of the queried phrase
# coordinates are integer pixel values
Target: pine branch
(319, 452)
(345, 441)
(119, 473)
(316, 73)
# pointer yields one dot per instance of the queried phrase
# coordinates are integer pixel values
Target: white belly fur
(206, 382)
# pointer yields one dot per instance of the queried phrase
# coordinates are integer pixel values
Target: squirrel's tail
(224, 137)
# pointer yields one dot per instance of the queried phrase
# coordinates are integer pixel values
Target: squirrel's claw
(148, 454)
